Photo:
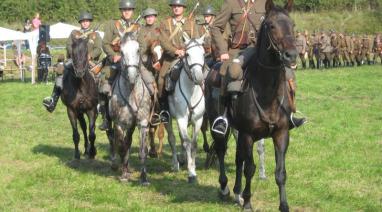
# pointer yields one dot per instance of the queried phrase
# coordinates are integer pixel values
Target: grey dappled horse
(129, 107)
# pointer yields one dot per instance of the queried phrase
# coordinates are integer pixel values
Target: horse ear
(269, 5)
(289, 5)
(201, 39)
(186, 37)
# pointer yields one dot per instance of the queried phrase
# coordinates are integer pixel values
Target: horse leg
(194, 145)
(152, 153)
(171, 141)
(246, 149)
(281, 142)
(143, 154)
(220, 147)
(261, 152)
(82, 121)
(239, 161)
(204, 129)
(124, 152)
(76, 136)
(161, 138)
(187, 145)
(92, 116)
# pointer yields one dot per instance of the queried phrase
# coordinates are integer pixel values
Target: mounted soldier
(244, 18)
(148, 38)
(114, 29)
(209, 15)
(171, 37)
(94, 54)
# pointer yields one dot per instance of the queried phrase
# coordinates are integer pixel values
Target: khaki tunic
(94, 44)
(343, 49)
(301, 44)
(174, 30)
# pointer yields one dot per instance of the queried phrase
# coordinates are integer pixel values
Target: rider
(209, 16)
(245, 18)
(172, 29)
(111, 46)
(148, 35)
(94, 51)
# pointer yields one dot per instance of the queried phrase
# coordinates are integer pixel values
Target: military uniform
(317, 50)
(244, 18)
(365, 49)
(343, 53)
(350, 49)
(357, 50)
(301, 48)
(309, 46)
(171, 38)
(148, 35)
(325, 50)
(334, 42)
(377, 48)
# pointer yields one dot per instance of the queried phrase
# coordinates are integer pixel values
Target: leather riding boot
(51, 102)
(295, 122)
(102, 109)
(164, 114)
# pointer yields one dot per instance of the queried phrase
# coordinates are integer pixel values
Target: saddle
(173, 75)
(214, 77)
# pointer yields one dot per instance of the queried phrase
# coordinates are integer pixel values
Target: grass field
(334, 163)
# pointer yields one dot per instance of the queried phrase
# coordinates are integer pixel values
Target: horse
(79, 95)
(187, 104)
(264, 108)
(129, 106)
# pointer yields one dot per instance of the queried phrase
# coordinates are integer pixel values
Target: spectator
(18, 54)
(27, 25)
(36, 22)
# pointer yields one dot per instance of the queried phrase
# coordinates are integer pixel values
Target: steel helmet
(178, 3)
(127, 4)
(149, 11)
(209, 10)
(85, 16)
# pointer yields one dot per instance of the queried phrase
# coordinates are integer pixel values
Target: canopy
(62, 30)
(9, 35)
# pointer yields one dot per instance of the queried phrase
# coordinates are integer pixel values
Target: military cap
(177, 3)
(209, 10)
(149, 11)
(85, 16)
(127, 4)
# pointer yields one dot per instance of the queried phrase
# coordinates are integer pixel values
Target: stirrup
(295, 125)
(215, 125)
(166, 114)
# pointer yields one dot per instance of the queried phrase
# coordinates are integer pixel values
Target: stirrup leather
(217, 120)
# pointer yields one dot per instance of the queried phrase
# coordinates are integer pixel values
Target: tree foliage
(68, 10)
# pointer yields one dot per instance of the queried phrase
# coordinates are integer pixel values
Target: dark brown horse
(79, 94)
(263, 109)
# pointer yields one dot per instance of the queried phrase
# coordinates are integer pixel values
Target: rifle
(193, 10)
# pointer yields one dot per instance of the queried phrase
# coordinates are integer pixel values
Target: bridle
(187, 67)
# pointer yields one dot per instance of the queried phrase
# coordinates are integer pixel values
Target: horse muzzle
(289, 58)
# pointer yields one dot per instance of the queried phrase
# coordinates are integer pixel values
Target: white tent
(62, 30)
(8, 34)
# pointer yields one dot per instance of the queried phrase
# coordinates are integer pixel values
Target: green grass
(334, 163)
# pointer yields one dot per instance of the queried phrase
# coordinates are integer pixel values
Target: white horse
(187, 104)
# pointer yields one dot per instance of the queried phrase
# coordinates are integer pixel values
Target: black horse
(264, 108)
(79, 94)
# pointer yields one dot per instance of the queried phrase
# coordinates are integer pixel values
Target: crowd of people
(337, 49)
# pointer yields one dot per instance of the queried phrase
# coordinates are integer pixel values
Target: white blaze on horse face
(195, 55)
(130, 50)
(158, 51)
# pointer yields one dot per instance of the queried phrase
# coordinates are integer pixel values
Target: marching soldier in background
(94, 53)
(365, 50)
(171, 36)
(309, 45)
(357, 50)
(301, 48)
(343, 53)
(111, 46)
(148, 35)
(335, 52)
(317, 49)
(377, 48)
(350, 49)
(326, 50)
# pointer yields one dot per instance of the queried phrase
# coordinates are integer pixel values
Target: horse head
(277, 29)
(79, 54)
(156, 50)
(194, 59)
(130, 55)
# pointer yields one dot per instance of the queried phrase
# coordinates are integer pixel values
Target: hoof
(248, 207)
(114, 167)
(192, 180)
(77, 155)
(145, 183)
(224, 194)
(123, 179)
(175, 167)
(239, 200)
(284, 207)
(181, 160)
(263, 177)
